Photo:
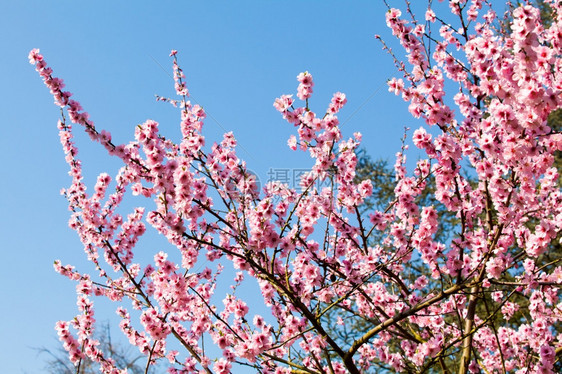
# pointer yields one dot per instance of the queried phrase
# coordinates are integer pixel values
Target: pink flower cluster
(304, 91)
(484, 296)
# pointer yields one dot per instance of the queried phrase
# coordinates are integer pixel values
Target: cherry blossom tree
(485, 297)
(380, 172)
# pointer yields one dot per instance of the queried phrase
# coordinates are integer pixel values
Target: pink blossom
(476, 214)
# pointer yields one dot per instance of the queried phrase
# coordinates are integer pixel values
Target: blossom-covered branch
(485, 296)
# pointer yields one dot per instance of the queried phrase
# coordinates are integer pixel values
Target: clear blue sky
(113, 55)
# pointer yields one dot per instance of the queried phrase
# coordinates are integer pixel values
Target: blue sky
(113, 55)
